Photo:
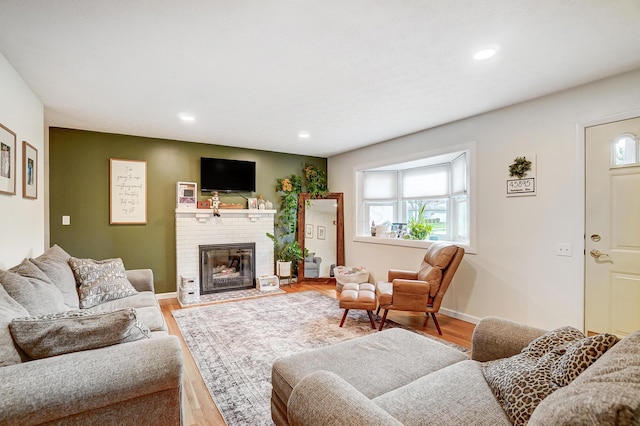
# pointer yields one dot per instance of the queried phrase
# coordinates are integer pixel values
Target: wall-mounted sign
(521, 179)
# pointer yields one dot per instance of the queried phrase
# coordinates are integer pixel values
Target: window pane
(459, 175)
(435, 211)
(462, 225)
(379, 185)
(426, 182)
(624, 150)
(380, 214)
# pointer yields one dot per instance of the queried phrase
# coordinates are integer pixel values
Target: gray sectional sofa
(84, 342)
(516, 374)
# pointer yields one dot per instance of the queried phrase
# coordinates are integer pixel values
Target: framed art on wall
(321, 232)
(308, 231)
(29, 171)
(7, 161)
(127, 191)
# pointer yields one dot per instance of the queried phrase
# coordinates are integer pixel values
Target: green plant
(289, 188)
(419, 226)
(520, 167)
(285, 247)
(286, 250)
(315, 181)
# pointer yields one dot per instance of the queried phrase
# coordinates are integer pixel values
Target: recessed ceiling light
(303, 134)
(187, 117)
(483, 54)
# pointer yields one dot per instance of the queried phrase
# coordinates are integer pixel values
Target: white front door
(612, 275)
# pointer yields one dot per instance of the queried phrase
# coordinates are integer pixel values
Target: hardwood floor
(199, 408)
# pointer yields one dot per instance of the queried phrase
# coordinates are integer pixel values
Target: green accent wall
(79, 188)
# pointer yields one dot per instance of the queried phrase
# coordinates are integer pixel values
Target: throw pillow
(31, 288)
(551, 361)
(55, 264)
(77, 330)
(9, 309)
(100, 281)
(608, 393)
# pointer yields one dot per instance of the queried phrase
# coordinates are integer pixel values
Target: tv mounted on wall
(218, 174)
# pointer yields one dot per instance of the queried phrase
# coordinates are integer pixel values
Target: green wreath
(520, 167)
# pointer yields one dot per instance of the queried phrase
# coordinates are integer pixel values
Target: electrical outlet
(563, 249)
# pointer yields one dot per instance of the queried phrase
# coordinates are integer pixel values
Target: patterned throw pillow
(77, 330)
(551, 361)
(100, 281)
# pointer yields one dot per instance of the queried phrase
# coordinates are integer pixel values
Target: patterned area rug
(232, 295)
(235, 344)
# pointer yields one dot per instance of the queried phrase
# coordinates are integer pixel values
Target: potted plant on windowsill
(419, 226)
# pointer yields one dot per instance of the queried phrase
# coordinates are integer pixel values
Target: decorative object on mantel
(7, 161)
(231, 206)
(523, 177)
(215, 203)
(252, 203)
(206, 204)
(186, 194)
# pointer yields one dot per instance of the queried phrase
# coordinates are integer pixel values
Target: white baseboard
(460, 316)
(172, 295)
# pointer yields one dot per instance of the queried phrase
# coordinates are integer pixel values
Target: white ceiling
(350, 72)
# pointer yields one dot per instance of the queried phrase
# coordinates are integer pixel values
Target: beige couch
(121, 366)
(398, 377)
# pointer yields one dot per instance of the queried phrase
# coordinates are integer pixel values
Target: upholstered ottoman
(374, 364)
(358, 296)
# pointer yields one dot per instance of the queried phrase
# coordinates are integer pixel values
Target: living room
(511, 269)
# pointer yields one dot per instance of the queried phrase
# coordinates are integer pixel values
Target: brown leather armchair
(423, 290)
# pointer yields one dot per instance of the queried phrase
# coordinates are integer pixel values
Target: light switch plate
(66, 220)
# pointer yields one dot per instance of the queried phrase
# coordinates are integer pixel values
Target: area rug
(234, 344)
(224, 296)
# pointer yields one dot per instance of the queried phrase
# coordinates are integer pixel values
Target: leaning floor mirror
(321, 233)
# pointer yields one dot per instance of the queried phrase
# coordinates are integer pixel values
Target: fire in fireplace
(225, 267)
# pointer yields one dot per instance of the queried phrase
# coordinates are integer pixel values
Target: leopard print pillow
(553, 360)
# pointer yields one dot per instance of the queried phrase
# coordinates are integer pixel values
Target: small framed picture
(321, 232)
(187, 194)
(308, 231)
(7, 161)
(252, 203)
(29, 171)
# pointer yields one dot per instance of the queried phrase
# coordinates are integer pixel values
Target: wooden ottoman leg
(344, 316)
(373, 323)
(384, 318)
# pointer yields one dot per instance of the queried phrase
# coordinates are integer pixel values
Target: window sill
(405, 243)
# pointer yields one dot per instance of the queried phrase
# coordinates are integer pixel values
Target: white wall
(21, 220)
(515, 273)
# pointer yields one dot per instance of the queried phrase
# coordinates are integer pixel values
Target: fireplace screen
(225, 267)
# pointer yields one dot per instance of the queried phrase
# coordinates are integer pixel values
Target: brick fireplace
(198, 227)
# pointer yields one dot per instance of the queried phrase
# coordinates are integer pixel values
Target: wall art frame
(322, 232)
(308, 231)
(30, 171)
(127, 192)
(7, 161)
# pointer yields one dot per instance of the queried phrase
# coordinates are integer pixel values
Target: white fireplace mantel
(202, 215)
(196, 227)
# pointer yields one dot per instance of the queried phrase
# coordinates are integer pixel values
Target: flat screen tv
(218, 174)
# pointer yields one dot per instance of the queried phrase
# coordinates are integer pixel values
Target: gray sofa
(398, 377)
(104, 364)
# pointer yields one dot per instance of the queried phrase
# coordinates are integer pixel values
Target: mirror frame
(303, 198)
